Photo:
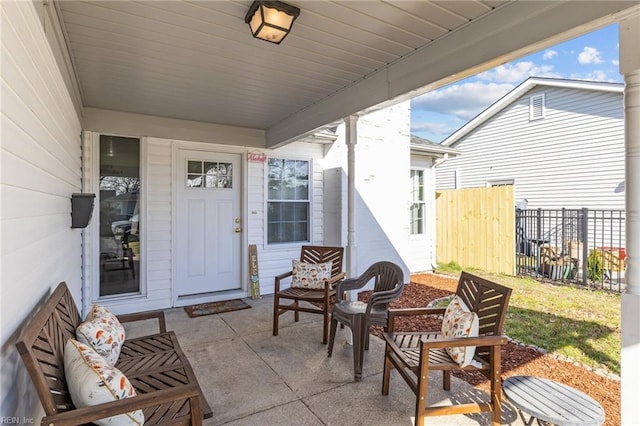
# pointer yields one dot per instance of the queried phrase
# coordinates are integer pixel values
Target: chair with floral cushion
(470, 339)
(313, 280)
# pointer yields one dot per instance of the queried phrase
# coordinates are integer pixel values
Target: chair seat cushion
(310, 275)
(93, 381)
(458, 321)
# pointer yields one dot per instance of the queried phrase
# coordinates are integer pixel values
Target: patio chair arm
(276, 283)
(384, 297)
(464, 341)
(142, 316)
(347, 285)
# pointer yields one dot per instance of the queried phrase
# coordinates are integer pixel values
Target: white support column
(351, 123)
(630, 309)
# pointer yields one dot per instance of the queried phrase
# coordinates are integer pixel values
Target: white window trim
(310, 239)
(541, 99)
(423, 202)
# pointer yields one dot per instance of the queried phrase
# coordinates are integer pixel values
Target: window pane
(301, 211)
(302, 170)
(194, 167)
(275, 190)
(211, 181)
(194, 181)
(275, 168)
(417, 218)
(274, 233)
(210, 168)
(300, 231)
(302, 190)
(288, 221)
(119, 215)
(274, 212)
(287, 212)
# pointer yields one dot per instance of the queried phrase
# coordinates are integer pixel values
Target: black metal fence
(579, 246)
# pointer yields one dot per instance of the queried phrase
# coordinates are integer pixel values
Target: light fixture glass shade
(271, 20)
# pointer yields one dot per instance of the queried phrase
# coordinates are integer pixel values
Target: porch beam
(511, 31)
(630, 306)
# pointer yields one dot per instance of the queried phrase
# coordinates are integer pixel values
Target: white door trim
(177, 146)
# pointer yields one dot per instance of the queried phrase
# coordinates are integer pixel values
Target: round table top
(553, 402)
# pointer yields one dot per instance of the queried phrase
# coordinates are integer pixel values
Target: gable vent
(536, 107)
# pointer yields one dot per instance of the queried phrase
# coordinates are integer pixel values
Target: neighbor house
(560, 143)
(169, 111)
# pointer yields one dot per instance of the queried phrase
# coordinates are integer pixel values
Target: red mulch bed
(516, 359)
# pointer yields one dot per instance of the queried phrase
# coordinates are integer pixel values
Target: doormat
(215, 308)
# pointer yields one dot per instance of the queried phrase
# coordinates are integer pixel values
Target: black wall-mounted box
(81, 209)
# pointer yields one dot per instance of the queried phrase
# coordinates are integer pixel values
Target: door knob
(238, 229)
(237, 220)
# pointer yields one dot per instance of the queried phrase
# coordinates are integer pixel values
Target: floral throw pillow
(310, 275)
(103, 332)
(92, 381)
(458, 321)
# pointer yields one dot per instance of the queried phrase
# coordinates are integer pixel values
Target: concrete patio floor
(251, 377)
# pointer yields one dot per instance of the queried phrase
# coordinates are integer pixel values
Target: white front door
(208, 225)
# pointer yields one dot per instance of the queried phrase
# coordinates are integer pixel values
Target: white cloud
(434, 131)
(615, 62)
(596, 75)
(549, 54)
(590, 55)
(517, 72)
(463, 101)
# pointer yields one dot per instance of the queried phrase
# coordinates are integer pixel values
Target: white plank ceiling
(198, 61)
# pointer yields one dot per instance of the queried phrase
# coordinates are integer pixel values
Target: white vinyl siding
(41, 168)
(573, 158)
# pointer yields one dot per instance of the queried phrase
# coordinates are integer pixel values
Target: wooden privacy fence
(475, 227)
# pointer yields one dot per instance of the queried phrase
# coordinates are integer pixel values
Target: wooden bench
(166, 386)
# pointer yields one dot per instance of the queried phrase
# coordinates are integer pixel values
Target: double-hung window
(288, 201)
(417, 202)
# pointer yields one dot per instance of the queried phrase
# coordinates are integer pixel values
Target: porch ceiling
(197, 60)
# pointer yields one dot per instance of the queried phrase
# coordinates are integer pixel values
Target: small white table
(552, 402)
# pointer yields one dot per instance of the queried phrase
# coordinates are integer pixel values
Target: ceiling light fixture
(271, 20)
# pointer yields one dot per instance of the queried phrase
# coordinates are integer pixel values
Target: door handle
(238, 229)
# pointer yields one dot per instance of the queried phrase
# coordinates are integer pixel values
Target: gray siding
(572, 158)
(40, 169)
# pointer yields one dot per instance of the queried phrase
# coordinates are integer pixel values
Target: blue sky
(594, 56)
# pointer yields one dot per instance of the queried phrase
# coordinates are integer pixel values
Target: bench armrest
(88, 414)
(141, 316)
(464, 341)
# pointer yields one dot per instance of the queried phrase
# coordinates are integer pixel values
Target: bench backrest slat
(41, 346)
(487, 299)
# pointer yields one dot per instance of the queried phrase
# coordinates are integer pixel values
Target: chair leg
(446, 380)
(423, 385)
(276, 314)
(296, 313)
(358, 347)
(496, 385)
(367, 333)
(386, 372)
(332, 336)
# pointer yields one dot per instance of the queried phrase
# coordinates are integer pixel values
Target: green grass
(580, 323)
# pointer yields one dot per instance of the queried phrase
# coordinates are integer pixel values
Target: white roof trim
(524, 87)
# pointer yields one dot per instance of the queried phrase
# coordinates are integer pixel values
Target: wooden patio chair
(414, 355)
(319, 298)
